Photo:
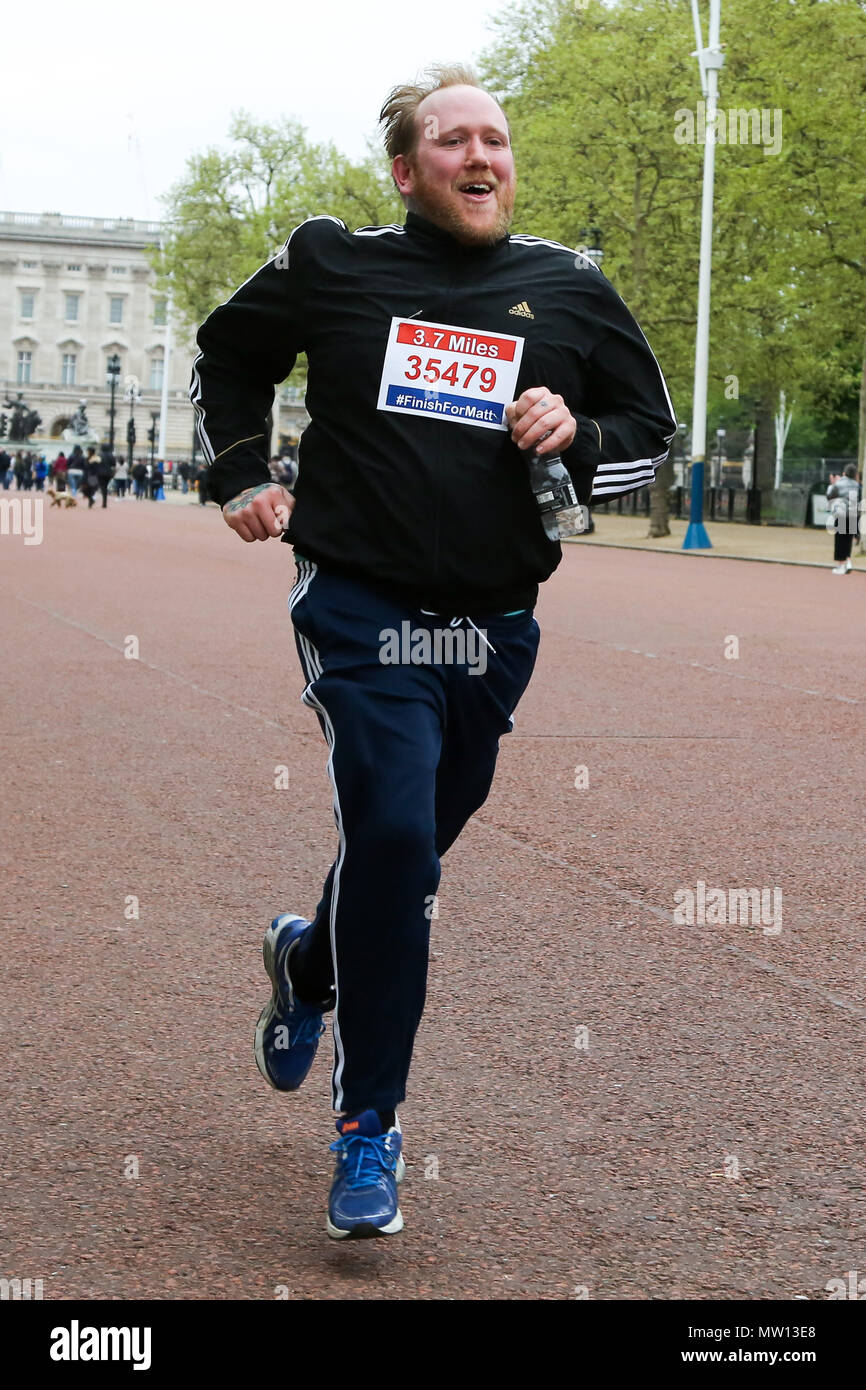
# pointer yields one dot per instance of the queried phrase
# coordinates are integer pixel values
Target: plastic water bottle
(561, 513)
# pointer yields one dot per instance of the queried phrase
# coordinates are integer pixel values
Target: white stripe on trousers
(306, 573)
(313, 669)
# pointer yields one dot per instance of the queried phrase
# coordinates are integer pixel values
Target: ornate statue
(79, 427)
(24, 420)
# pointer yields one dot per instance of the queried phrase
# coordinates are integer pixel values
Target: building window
(28, 265)
(118, 270)
(72, 308)
(115, 313)
(73, 267)
(159, 312)
(28, 300)
(156, 365)
(25, 362)
(67, 369)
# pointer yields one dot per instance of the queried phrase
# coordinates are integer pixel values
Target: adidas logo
(523, 310)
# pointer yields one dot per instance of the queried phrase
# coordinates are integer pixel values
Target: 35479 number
(432, 371)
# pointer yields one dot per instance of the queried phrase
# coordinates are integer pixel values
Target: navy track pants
(413, 749)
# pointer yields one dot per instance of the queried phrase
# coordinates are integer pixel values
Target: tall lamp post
(721, 435)
(133, 396)
(590, 244)
(151, 434)
(112, 376)
(710, 60)
(680, 448)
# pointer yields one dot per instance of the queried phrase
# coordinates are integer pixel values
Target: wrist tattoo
(239, 502)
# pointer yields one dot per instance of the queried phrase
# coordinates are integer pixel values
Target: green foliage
(590, 94)
(595, 93)
(233, 209)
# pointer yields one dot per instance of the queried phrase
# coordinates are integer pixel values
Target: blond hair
(398, 113)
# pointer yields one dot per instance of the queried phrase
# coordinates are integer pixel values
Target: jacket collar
(420, 228)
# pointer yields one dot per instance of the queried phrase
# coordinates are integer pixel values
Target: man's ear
(403, 175)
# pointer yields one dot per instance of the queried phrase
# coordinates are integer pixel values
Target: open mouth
(477, 192)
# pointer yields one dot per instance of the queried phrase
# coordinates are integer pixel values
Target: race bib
(459, 374)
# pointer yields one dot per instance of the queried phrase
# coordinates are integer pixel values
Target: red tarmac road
(702, 1138)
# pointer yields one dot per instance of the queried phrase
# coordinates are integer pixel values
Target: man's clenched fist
(258, 513)
(540, 419)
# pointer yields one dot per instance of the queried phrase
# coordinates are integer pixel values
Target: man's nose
(476, 152)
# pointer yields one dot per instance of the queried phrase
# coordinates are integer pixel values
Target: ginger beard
(455, 213)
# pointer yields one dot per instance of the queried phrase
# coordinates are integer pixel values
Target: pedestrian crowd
(284, 470)
(94, 474)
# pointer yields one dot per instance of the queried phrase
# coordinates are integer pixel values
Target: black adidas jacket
(407, 485)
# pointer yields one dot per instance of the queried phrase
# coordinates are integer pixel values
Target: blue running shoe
(363, 1200)
(288, 1031)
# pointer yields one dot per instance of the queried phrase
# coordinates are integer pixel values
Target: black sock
(387, 1118)
(299, 985)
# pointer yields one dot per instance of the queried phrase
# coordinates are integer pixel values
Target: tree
(792, 313)
(596, 95)
(590, 94)
(233, 209)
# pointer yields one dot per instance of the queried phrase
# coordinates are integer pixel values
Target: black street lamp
(591, 245)
(720, 446)
(151, 434)
(681, 452)
(112, 375)
(133, 394)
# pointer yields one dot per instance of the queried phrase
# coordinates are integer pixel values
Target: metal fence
(788, 505)
(785, 506)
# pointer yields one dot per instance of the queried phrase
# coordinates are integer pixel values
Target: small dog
(61, 499)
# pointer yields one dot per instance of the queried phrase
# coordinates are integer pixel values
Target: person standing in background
(90, 481)
(201, 478)
(843, 494)
(105, 471)
(75, 470)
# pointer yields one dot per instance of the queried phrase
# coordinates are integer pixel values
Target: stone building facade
(73, 292)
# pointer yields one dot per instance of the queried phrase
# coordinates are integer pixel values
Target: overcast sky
(102, 103)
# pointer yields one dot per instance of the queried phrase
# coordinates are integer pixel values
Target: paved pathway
(602, 1098)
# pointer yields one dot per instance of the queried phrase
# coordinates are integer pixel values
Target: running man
(441, 353)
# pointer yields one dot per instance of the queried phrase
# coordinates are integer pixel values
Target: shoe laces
(364, 1158)
(309, 1029)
